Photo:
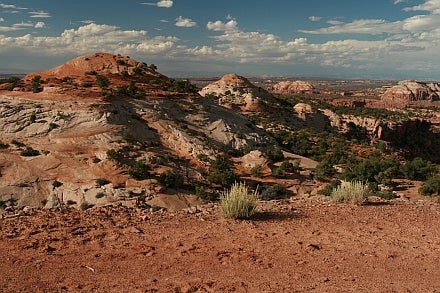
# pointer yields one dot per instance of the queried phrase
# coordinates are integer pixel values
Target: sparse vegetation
(140, 171)
(257, 171)
(274, 192)
(102, 81)
(220, 172)
(328, 189)
(29, 152)
(36, 84)
(183, 86)
(431, 187)
(102, 182)
(238, 202)
(355, 192)
(418, 169)
(170, 179)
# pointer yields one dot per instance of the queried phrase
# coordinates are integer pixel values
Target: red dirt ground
(301, 245)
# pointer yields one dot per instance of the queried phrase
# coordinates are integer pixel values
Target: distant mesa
(292, 87)
(235, 90)
(409, 91)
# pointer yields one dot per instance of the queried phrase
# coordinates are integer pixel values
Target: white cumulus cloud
(221, 26)
(185, 22)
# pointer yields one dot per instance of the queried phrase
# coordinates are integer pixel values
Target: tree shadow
(277, 216)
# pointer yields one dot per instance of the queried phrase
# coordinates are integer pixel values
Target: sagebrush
(239, 202)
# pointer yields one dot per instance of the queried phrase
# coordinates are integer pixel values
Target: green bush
(274, 154)
(36, 84)
(138, 71)
(183, 86)
(375, 170)
(355, 192)
(170, 179)
(30, 152)
(102, 182)
(274, 192)
(257, 171)
(324, 170)
(418, 169)
(328, 189)
(238, 202)
(431, 187)
(140, 171)
(220, 172)
(102, 81)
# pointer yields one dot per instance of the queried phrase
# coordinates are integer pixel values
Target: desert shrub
(170, 179)
(385, 194)
(279, 172)
(17, 143)
(36, 84)
(238, 202)
(375, 170)
(355, 192)
(29, 152)
(257, 171)
(102, 181)
(3, 145)
(125, 74)
(70, 202)
(220, 172)
(102, 81)
(121, 62)
(138, 71)
(113, 155)
(274, 154)
(152, 67)
(183, 86)
(418, 169)
(324, 170)
(33, 118)
(57, 184)
(85, 206)
(99, 195)
(140, 171)
(431, 187)
(328, 189)
(274, 192)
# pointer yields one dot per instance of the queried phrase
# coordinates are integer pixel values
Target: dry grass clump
(238, 202)
(355, 192)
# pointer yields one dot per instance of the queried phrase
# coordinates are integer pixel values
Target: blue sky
(394, 39)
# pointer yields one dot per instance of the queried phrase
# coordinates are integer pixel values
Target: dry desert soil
(298, 245)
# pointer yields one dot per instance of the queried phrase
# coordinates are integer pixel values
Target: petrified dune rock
(292, 87)
(100, 63)
(236, 90)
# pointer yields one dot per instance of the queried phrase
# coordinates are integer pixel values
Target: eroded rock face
(73, 137)
(411, 91)
(235, 90)
(292, 87)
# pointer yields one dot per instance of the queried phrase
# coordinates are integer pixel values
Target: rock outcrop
(82, 148)
(234, 90)
(407, 92)
(292, 87)
(99, 63)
